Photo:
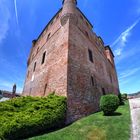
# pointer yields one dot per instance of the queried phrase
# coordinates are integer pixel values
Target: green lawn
(95, 127)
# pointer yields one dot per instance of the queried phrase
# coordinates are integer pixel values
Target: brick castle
(68, 58)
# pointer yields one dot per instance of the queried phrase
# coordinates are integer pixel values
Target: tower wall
(87, 81)
(76, 63)
(52, 75)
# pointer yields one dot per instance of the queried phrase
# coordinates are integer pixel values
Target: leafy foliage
(109, 104)
(121, 99)
(124, 97)
(28, 116)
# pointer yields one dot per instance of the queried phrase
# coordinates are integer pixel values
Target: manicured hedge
(28, 116)
(109, 104)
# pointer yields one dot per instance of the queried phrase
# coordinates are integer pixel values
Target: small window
(45, 88)
(43, 57)
(90, 55)
(48, 36)
(87, 34)
(92, 81)
(103, 91)
(34, 66)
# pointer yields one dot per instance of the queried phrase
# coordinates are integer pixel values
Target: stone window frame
(43, 58)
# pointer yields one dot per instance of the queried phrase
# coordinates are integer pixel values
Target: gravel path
(135, 116)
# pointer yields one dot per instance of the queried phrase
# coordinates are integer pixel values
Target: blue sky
(117, 22)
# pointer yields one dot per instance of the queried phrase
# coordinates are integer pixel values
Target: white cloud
(16, 13)
(129, 73)
(4, 19)
(121, 41)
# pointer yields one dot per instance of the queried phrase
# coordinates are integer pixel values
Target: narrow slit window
(48, 36)
(103, 91)
(43, 58)
(92, 81)
(90, 55)
(34, 66)
(45, 88)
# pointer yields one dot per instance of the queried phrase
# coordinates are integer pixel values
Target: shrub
(121, 102)
(124, 97)
(109, 104)
(25, 117)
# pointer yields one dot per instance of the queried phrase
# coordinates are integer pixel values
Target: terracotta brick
(67, 69)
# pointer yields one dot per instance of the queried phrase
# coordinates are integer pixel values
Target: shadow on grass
(114, 114)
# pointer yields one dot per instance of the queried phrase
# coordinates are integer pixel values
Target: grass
(95, 127)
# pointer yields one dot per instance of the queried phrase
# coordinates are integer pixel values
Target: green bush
(121, 102)
(25, 117)
(124, 97)
(109, 104)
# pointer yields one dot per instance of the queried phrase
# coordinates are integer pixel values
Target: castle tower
(68, 58)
